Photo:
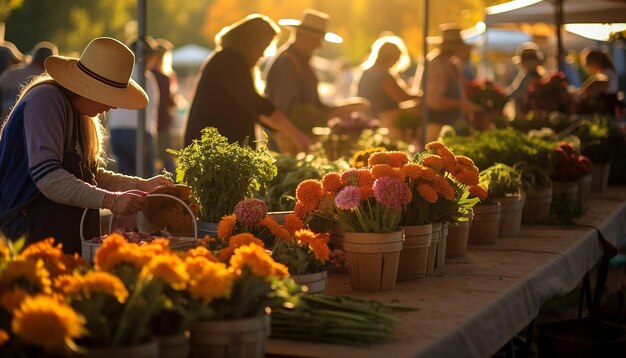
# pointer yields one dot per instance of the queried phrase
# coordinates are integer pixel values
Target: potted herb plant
(220, 174)
(537, 187)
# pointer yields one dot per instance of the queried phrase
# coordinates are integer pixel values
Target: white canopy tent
(574, 11)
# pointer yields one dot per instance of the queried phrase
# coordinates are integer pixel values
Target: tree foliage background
(71, 24)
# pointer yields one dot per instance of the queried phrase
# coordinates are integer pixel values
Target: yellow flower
(78, 287)
(226, 226)
(305, 236)
(292, 223)
(169, 268)
(116, 250)
(244, 239)
(201, 251)
(51, 255)
(33, 272)
(258, 261)
(11, 300)
(46, 322)
(209, 280)
(5, 253)
(4, 337)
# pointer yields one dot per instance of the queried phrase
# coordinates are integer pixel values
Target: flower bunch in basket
(359, 200)
(34, 320)
(442, 184)
(486, 94)
(300, 250)
(568, 164)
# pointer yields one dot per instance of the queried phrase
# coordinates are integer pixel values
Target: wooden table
(472, 306)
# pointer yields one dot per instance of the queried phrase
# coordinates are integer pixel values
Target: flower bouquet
(366, 204)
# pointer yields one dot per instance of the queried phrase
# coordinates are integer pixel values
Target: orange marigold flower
(398, 173)
(31, 272)
(432, 161)
(301, 211)
(244, 239)
(11, 300)
(463, 160)
(366, 192)
(467, 177)
(382, 170)
(429, 174)
(305, 236)
(449, 160)
(443, 187)
(378, 158)
(434, 145)
(46, 322)
(427, 192)
(332, 182)
(397, 159)
(478, 191)
(275, 228)
(209, 280)
(51, 255)
(292, 223)
(309, 192)
(225, 254)
(226, 226)
(4, 337)
(413, 171)
(320, 250)
(365, 177)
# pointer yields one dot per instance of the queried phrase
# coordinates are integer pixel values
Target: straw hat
(12, 50)
(451, 37)
(313, 22)
(528, 51)
(102, 74)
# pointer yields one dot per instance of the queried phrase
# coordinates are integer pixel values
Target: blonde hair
(384, 47)
(248, 35)
(93, 131)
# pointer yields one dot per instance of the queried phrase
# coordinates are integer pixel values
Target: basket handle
(193, 217)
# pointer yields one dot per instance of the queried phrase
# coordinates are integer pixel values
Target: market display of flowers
(391, 190)
(568, 164)
(55, 303)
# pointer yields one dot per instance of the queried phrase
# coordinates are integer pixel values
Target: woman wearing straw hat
(51, 148)
(225, 95)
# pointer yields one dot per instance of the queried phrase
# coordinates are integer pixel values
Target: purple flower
(250, 211)
(390, 192)
(348, 198)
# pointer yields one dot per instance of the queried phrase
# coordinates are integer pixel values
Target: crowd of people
(52, 134)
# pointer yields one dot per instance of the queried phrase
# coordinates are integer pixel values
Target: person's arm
(280, 123)
(395, 89)
(47, 121)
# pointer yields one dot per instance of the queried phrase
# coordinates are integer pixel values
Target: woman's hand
(126, 203)
(149, 184)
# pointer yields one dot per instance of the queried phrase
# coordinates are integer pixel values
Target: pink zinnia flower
(250, 211)
(390, 192)
(348, 198)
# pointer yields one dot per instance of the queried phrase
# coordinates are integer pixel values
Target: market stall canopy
(574, 11)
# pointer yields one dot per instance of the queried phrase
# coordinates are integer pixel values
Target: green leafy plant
(500, 180)
(533, 176)
(506, 146)
(220, 174)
